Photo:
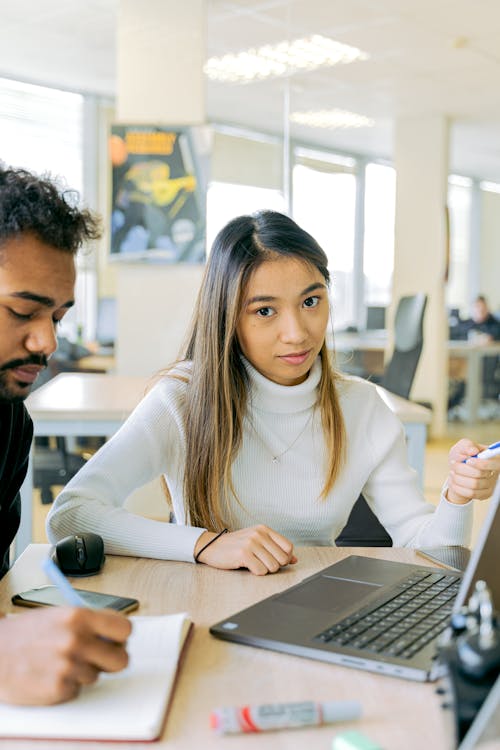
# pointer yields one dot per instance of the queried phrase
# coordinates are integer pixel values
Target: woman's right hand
(258, 548)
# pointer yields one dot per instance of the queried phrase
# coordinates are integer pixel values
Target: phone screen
(50, 596)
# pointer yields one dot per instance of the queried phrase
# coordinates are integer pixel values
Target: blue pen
(71, 596)
(489, 452)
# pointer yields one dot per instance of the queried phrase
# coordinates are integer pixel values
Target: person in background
(480, 329)
(482, 326)
(45, 655)
(257, 435)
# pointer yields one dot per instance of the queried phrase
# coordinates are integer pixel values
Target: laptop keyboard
(413, 614)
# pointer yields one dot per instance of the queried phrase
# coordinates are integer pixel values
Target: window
(324, 200)
(41, 129)
(459, 206)
(378, 247)
(225, 201)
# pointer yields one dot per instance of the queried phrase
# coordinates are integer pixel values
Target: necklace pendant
(275, 460)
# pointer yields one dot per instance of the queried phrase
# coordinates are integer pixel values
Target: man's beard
(6, 392)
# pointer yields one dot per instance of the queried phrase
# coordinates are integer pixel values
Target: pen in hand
(489, 452)
(53, 573)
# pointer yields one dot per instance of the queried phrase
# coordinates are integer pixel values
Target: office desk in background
(473, 353)
(414, 417)
(74, 404)
(396, 713)
(363, 350)
(367, 350)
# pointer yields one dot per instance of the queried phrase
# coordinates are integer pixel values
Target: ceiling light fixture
(331, 118)
(281, 59)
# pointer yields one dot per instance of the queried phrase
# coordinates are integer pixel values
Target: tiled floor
(436, 467)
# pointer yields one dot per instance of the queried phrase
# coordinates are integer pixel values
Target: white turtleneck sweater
(283, 494)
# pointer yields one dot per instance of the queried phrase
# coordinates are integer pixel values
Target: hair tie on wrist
(214, 539)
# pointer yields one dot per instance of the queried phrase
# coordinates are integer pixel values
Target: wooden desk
(74, 404)
(104, 362)
(415, 419)
(364, 351)
(396, 713)
(473, 353)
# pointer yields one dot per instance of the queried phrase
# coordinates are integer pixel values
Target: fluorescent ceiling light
(331, 118)
(281, 59)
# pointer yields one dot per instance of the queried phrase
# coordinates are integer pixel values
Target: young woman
(254, 432)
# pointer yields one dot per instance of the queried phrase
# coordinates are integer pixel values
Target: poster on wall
(158, 201)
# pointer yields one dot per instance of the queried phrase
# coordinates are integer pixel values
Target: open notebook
(128, 705)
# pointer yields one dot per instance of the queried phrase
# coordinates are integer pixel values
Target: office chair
(375, 317)
(106, 324)
(363, 529)
(489, 408)
(55, 466)
(408, 341)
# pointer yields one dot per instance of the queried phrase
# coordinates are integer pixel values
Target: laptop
(370, 614)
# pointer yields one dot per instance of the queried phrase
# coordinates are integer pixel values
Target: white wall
(155, 305)
(421, 149)
(490, 248)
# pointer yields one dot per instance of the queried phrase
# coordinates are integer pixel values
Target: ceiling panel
(428, 57)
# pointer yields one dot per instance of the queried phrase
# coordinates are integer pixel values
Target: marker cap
(334, 711)
(354, 741)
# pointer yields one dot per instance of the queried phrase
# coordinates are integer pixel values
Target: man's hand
(474, 479)
(258, 548)
(47, 655)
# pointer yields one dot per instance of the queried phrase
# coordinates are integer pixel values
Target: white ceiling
(426, 57)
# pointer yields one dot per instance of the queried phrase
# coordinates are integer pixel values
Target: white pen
(489, 452)
(71, 596)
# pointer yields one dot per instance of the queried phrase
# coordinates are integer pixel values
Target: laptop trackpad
(328, 593)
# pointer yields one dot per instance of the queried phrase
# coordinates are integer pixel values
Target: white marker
(489, 452)
(246, 719)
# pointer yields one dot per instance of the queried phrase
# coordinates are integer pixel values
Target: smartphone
(50, 596)
(453, 557)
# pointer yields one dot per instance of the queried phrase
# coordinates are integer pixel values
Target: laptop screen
(483, 564)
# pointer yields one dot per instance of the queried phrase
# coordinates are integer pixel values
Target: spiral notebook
(126, 706)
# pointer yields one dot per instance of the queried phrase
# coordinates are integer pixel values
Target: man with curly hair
(47, 655)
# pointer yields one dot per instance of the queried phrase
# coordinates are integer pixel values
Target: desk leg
(25, 534)
(416, 435)
(473, 387)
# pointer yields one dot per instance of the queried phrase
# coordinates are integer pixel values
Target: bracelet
(214, 539)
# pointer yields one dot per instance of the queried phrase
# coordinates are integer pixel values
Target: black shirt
(491, 326)
(16, 433)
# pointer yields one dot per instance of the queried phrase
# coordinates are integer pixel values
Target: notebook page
(128, 705)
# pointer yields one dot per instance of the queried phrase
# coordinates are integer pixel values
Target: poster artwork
(157, 212)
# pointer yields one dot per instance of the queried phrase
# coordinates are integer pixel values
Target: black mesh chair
(55, 465)
(408, 341)
(363, 529)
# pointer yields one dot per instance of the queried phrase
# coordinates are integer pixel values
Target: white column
(160, 58)
(421, 156)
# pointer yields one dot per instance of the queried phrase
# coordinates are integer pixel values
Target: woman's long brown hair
(216, 395)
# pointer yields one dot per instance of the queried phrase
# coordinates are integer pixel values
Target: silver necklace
(275, 457)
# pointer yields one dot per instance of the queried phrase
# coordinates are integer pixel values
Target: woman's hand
(258, 548)
(474, 479)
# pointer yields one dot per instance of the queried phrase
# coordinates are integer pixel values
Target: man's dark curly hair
(38, 205)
